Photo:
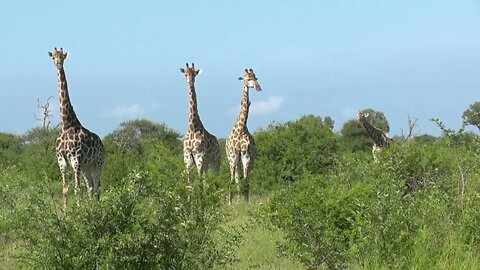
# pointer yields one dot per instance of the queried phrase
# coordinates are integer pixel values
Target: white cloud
(270, 105)
(130, 111)
(134, 110)
(265, 107)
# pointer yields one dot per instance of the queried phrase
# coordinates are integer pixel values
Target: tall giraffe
(76, 146)
(380, 139)
(200, 148)
(240, 145)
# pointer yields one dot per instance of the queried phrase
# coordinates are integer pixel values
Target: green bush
(320, 220)
(130, 227)
(405, 211)
(288, 151)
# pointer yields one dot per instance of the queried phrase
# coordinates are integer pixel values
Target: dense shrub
(404, 211)
(130, 227)
(10, 149)
(287, 151)
(416, 208)
(319, 219)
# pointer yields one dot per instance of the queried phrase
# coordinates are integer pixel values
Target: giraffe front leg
(247, 169)
(233, 161)
(231, 195)
(375, 150)
(78, 175)
(62, 163)
(189, 164)
(201, 164)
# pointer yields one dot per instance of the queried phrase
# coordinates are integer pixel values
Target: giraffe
(200, 148)
(240, 145)
(76, 146)
(380, 139)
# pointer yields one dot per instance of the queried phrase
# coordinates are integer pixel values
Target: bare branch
(412, 124)
(447, 131)
(46, 110)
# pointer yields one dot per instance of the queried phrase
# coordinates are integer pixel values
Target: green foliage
(141, 145)
(425, 139)
(402, 212)
(328, 121)
(416, 208)
(289, 150)
(39, 159)
(10, 149)
(472, 115)
(319, 220)
(140, 224)
(131, 135)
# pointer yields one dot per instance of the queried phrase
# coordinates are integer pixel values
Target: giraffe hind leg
(189, 165)
(97, 173)
(202, 165)
(375, 150)
(92, 177)
(87, 173)
(78, 175)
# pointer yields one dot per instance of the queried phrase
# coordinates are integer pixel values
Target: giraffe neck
(194, 122)
(376, 134)
(243, 117)
(67, 114)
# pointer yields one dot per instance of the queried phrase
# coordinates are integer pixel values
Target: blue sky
(327, 58)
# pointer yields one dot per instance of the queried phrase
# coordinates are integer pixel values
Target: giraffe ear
(65, 55)
(198, 72)
(240, 78)
(50, 54)
(182, 70)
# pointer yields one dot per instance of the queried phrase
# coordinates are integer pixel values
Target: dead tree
(412, 125)
(46, 110)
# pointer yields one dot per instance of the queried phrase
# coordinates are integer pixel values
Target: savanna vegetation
(319, 201)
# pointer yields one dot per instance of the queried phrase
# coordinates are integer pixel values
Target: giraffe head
(58, 57)
(190, 72)
(250, 80)
(361, 115)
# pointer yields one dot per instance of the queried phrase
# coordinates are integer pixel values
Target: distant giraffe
(76, 146)
(380, 139)
(200, 148)
(240, 145)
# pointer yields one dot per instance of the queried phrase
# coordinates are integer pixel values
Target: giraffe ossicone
(240, 145)
(76, 146)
